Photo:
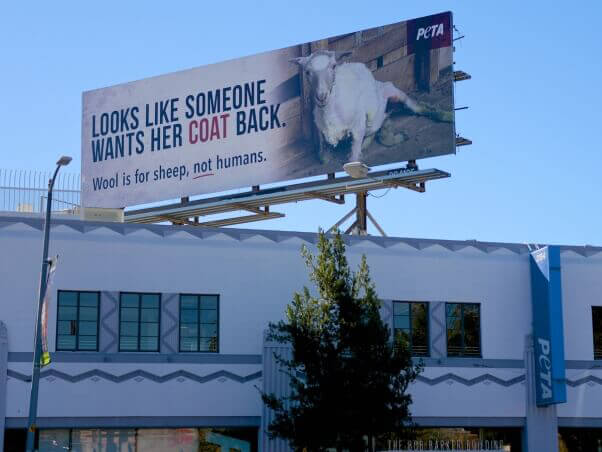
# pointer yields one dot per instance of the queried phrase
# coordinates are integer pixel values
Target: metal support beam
(361, 211)
(461, 141)
(342, 220)
(461, 75)
(241, 220)
(334, 199)
(258, 201)
(376, 225)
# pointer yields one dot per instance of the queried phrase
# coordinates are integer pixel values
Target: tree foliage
(348, 378)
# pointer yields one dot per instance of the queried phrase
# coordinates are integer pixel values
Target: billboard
(379, 96)
(546, 295)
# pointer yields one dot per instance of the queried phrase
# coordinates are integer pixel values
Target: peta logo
(432, 31)
(545, 365)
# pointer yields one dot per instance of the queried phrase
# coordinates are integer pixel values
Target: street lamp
(37, 354)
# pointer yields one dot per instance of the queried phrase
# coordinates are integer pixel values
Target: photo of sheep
(377, 96)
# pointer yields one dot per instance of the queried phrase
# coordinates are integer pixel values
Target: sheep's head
(319, 71)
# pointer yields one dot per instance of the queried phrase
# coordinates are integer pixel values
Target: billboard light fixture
(356, 170)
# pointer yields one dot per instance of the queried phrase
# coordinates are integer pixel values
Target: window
(77, 320)
(139, 322)
(463, 329)
(410, 323)
(597, 325)
(199, 323)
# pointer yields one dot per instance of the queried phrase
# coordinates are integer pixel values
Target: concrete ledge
(137, 421)
(469, 421)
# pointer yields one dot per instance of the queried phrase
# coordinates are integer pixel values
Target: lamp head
(64, 160)
(356, 170)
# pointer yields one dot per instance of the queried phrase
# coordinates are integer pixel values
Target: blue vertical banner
(548, 337)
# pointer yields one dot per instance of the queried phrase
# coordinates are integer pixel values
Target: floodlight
(356, 170)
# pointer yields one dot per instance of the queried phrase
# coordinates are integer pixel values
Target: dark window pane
(67, 313)
(208, 316)
(198, 317)
(129, 300)
(88, 299)
(149, 329)
(454, 323)
(189, 302)
(472, 330)
(64, 327)
(128, 343)
(67, 298)
(463, 329)
(420, 328)
(420, 318)
(400, 308)
(189, 330)
(208, 302)
(188, 344)
(87, 328)
(71, 333)
(87, 343)
(65, 342)
(208, 330)
(471, 309)
(402, 337)
(150, 301)
(86, 313)
(401, 321)
(597, 328)
(189, 315)
(149, 344)
(208, 344)
(129, 314)
(149, 315)
(453, 310)
(129, 329)
(454, 332)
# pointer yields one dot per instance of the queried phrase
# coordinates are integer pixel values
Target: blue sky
(532, 174)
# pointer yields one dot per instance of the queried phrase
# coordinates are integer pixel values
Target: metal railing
(26, 190)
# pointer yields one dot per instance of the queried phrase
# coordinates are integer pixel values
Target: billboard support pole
(361, 221)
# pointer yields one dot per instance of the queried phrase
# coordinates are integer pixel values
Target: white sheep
(349, 101)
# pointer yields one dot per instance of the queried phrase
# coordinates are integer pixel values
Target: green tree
(349, 379)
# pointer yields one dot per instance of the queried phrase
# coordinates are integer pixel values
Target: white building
(122, 377)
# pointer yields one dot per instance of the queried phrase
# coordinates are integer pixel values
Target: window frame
(428, 329)
(56, 337)
(198, 323)
(597, 352)
(463, 354)
(139, 322)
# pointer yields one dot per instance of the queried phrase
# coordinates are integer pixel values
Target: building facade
(157, 335)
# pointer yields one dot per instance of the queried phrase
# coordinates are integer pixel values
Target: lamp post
(35, 377)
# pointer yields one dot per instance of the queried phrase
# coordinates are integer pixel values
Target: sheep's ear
(300, 61)
(341, 55)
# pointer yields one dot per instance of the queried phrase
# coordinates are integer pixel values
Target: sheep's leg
(394, 94)
(357, 138)
(368, 139)
(321, 147)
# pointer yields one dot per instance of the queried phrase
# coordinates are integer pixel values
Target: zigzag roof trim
(281, 236)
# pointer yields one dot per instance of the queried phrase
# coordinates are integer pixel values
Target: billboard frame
(259, 202)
